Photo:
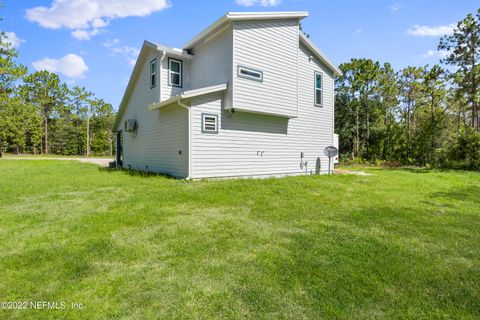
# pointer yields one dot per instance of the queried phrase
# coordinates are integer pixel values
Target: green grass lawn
(399, 244)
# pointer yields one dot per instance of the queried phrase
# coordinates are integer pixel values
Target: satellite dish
(330, 152)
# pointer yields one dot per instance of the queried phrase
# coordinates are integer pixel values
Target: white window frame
(315, 89)
(209, 115)
(250, 70)
(153, 73)
(170, 72)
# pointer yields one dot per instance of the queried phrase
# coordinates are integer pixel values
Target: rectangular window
(209, 123)
(153, 73)
(174, 72)
(249, 73)
(318, 89)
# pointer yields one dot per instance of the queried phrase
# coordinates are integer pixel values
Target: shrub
(461, 151)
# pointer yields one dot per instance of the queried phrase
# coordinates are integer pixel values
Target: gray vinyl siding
(234, 151)
(270, 47)
(161, 133)
(212, 63)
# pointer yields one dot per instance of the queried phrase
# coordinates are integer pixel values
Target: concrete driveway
(103, 162)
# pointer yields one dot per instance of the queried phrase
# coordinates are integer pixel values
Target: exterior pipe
(181, 104)
(164, 54)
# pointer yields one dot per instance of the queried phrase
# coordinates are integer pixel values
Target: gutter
(187, 95)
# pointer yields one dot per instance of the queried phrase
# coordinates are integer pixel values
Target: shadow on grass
(137, 173)
(412, 168)
(469, 194)
(416, 169)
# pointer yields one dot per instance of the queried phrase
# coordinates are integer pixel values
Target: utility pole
(88, 135)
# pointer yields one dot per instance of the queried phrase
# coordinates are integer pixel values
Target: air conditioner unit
(130, 125)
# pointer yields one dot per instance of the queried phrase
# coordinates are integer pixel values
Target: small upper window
(209, 123)
(174, 72)
(251, 74)
(153, 73)
(318, 89)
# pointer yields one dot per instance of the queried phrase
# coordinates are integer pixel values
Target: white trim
(319, 54)
(241, 16)
(250, 70)
(315, 73)
(214, 34)
(170, 72)
(189, 94)
(287, 116)
(212, 116)
(190, 147)
(153, 73)
(266, 15)
(204, 90)
(175, 52)
(257, 175)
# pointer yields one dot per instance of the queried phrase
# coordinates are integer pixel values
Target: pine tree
(43, 89)
(463, 47)
(10, 72)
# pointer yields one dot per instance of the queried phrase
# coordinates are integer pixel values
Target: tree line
(40, 115)
(417, 115)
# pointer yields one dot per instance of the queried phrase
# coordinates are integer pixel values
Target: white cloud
(358, 31)
(436, 54)
(111, 43)
(99, 23)
(88, 17)
(128, 52)
(395, 7)
(71, 65)
(428, 31)
(13, 39)
(263, 3)
(82, 34)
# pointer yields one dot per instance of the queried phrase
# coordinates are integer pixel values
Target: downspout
(164, 54)
(181, 104)
(333, 124)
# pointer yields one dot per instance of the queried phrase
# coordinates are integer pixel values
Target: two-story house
(250, 95)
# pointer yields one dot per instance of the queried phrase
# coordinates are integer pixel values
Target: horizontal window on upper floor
(175, 72)
(249, 73)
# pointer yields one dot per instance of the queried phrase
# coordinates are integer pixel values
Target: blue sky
(94, 43)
